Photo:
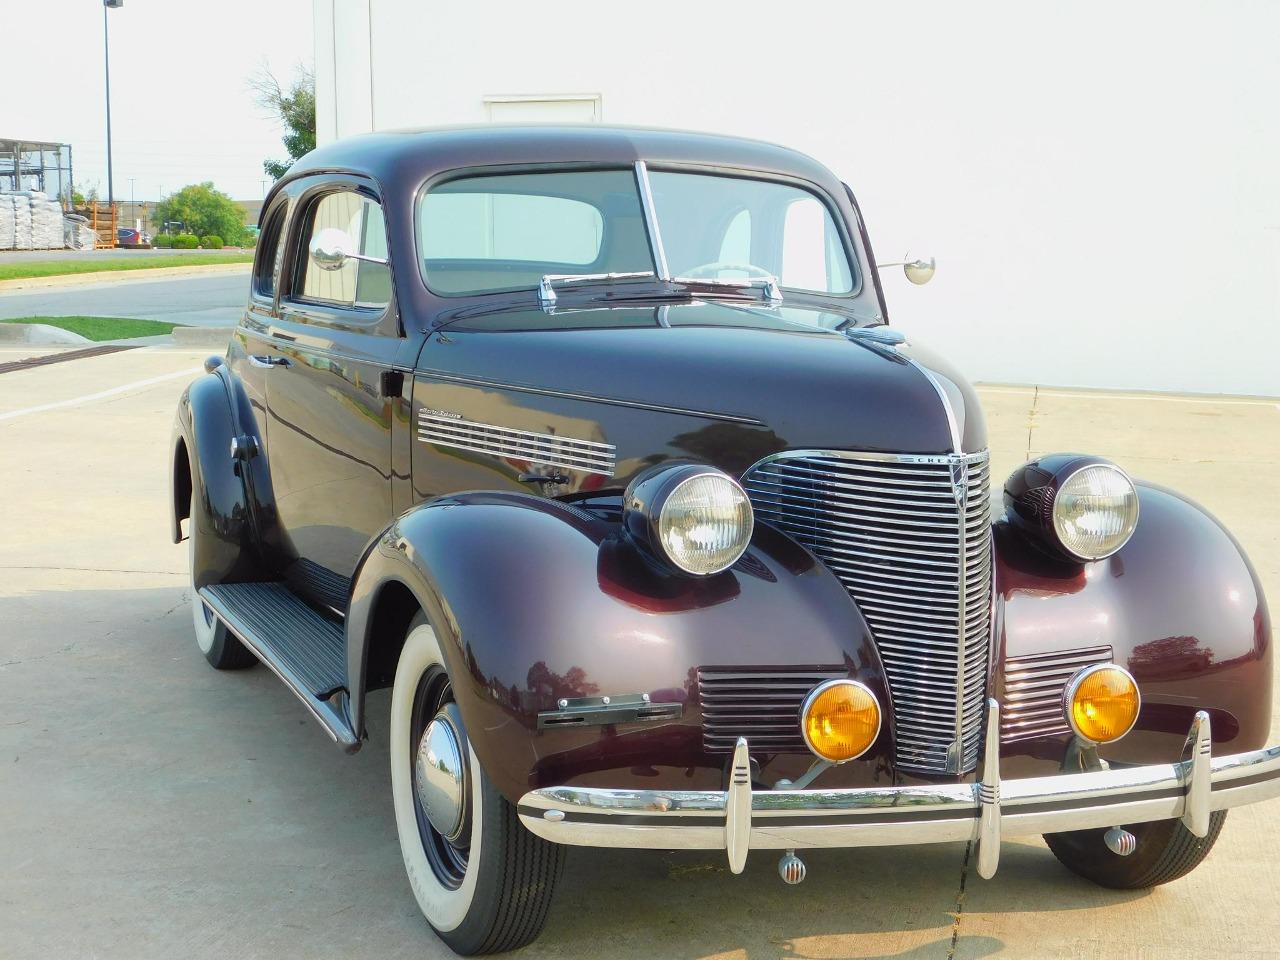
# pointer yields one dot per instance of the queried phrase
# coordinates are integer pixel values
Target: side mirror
(918, 272)
(331, 248)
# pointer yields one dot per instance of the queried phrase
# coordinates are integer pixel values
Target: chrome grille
(522, 446)
(762, 705)
(910, 538)
(1033, 688)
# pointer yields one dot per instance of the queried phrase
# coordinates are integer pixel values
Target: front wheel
(1166, 851)
(481, 879)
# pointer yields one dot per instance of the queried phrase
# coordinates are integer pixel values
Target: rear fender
(222, 508)
(535, 600)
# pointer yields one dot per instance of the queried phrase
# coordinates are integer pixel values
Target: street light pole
(106, 60)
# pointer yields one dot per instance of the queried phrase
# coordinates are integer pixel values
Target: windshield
(735, 228)
(494, 233)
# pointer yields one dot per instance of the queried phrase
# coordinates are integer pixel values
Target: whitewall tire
(213, 638)
(489, 889)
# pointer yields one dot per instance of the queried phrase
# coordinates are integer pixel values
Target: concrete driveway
(151, 807)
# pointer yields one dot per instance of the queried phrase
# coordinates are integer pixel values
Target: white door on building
(549, 108)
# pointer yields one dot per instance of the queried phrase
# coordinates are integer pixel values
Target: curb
(121, 276)
(40, 334)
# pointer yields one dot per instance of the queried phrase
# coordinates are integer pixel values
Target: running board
(298, 644)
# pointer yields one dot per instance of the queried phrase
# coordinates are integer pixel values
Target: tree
(202, 210)
(295, 108)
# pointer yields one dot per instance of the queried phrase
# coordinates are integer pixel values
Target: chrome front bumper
(740, 819)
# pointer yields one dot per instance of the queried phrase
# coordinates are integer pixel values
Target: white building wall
(1100, 182)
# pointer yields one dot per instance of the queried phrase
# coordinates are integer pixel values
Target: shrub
(162, 240)
(211, 242)
(185, 241)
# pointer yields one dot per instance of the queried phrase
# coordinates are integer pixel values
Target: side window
(270, 251)
(357, 283)
(812, 257)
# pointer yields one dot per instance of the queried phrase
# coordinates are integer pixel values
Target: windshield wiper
(769, 285)
(547, 293)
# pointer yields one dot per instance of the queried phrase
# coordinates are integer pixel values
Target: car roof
(404, 159)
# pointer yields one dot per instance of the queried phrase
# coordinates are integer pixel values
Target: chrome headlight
(1085, 508)
(696, 518)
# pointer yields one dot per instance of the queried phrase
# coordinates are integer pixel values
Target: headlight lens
(1095, 511)
(695, 518)
(705, 523)
(840, 720)
(1102, 703)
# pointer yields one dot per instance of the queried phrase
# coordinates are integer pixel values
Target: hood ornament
(882, 340)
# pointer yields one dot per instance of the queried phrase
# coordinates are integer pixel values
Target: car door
(331, 386)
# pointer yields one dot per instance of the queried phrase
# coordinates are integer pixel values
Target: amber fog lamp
(694, 518)
(1102, 702)
(840, 720)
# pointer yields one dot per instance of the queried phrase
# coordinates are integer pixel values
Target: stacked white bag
(7, 239)
(46, 222)
(21, 222)
(30, 221)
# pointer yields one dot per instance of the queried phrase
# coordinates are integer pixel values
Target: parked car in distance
(133, 239)
(596, 447)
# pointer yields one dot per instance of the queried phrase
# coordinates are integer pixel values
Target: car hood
(723, 383)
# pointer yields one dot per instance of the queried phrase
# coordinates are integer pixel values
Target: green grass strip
(103, 328)
(26, 269)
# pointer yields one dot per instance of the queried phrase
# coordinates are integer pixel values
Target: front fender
(535, 600)
(1181, 607)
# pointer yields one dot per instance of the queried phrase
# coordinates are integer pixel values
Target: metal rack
(36, 165)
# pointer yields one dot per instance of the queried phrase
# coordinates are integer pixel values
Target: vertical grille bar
(910, 538)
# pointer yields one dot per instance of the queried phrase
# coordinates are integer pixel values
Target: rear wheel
(483, 882)
(1166, 851)
(216, 642)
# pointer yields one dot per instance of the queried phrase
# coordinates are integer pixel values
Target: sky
(180, 109)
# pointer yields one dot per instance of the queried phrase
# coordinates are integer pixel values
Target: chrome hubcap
(440, 774)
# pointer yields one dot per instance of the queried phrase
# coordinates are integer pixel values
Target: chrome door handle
(268, 361)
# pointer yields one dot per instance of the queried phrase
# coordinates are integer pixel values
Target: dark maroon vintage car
(594, 445)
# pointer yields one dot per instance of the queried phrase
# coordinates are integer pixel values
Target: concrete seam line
(1085, 393)
(89, 398)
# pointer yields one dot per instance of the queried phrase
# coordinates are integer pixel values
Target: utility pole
(106, 60)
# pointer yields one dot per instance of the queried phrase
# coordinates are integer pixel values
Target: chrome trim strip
(587, 397)
(651, 221)
(443, 421)
(957, 442)
(549, 449)
(986, 811)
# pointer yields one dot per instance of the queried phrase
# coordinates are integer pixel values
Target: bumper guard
(740, 818)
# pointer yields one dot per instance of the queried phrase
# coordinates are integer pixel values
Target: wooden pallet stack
(103, 218)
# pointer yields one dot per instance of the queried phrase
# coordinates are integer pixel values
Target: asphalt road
(18, 256)
(151, 807)
(211, 300)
